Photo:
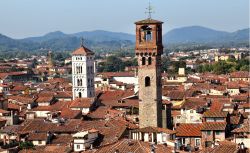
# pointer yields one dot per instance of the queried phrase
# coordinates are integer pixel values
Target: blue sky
(24, 18)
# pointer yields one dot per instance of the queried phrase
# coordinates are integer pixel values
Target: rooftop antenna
(149, 10)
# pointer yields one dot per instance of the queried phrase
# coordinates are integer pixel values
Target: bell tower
(83, 73)
(148, 51)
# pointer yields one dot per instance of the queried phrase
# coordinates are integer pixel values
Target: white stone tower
(83, 73)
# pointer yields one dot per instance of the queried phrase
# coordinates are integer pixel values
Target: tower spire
(149, 10)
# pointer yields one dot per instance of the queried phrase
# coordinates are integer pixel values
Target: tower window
(149, 60)
(79, 82)
(148, 35)
(79, 95)
(147, 81)
(145, 33)
(143, 60)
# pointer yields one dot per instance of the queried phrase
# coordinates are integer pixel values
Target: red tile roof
(37, 136)
(154, 130)
(83, 51)
(215, 114)
(135, 146)
(189, 130)
(111, 98)
(221, 126)
(240, 74)
(82, 103)
(245, 128)
(116, 74)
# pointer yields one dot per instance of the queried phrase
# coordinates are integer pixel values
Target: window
(145, 33)
(143, 61)
(88, 82)
(178, 117)
(147, 81)
(191, 111)
(79, 95)
(217, 132)
(79, 82)
(148, 35)
(197, 142)
(78, 146)
(39, 142)
(208, 132)
(149, 60)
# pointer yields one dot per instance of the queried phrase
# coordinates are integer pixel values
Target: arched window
(78, 82)
(147, 81)
(79, 95)
(143, 61)
(149, 60)
(145, 33)
(148, 35)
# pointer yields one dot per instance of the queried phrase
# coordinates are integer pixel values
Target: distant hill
(97, 36)
(105, 40)
(197, 34)
(100, 36)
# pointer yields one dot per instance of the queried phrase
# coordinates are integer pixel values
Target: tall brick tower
(148, 50)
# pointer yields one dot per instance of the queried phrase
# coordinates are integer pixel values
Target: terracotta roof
(45, 99)
(235, 120)
(176, 95)
(2, 111)
(103, 112)
(116, 74)
(3, 75)
(62, 139)
(215, 114)
(149, 21)
(240, 74)
(37, 136)
(110, 98)
(13, 106)
(22, 99)
(58, 80)
(135, 146)
(51, 148)
(19, 88)
(213, 126)
(70, 114)
(223, 147)
(83, 51)
(154, 130)
(244, 128)
(194, 103)
(82, 103)
(188, 130)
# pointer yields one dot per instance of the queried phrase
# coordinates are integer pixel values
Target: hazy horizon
(27, 18)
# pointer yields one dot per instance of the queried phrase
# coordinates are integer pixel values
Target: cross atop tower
(149, 10)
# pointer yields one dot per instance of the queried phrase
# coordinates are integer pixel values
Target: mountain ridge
(101, 39)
